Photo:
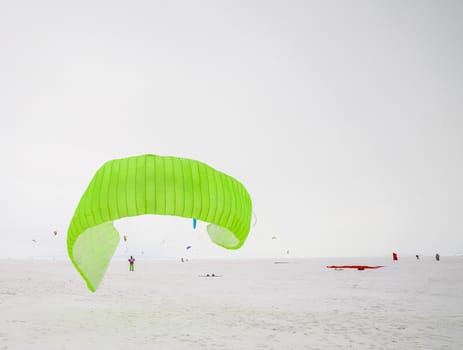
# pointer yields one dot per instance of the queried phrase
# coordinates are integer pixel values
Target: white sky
(342, 118)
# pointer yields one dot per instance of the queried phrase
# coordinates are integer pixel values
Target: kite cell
(151, 184)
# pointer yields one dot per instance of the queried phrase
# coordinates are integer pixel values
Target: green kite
(151, 184)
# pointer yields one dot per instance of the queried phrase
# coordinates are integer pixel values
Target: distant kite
(358, 267)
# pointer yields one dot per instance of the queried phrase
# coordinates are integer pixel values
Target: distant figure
(437, 257)
(182, 259)
(417, 257)
(131, 262)
(395, 257)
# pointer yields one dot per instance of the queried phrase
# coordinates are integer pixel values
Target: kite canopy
(151, 184)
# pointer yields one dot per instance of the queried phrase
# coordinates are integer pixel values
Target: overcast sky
(343, 119)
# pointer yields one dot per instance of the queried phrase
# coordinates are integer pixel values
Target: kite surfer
(131, 262)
